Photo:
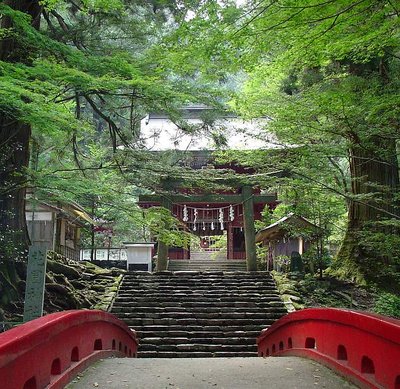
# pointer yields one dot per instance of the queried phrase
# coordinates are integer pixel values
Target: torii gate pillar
(162, 251)
(249, 229)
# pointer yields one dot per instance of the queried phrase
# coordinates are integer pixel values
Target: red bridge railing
(48, 352)
(361, 346)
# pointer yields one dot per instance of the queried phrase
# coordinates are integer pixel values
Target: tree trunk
(14, 141)
(375, 176)
(14, 149)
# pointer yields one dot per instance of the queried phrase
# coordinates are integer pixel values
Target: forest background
(78, 76)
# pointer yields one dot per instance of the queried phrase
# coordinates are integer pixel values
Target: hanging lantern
(194, 227)
(204, 226)
(185, 214)
(212, 226)
(195, 215)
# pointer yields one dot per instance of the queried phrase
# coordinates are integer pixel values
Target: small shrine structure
(290, 234)
(55, 225)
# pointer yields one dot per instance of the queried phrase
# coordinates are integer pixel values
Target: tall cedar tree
(14, 145)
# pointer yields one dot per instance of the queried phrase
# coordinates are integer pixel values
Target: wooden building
(56, 226)
(290, 234)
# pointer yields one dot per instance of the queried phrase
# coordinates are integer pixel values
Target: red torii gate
(210, 214)
(204, 213)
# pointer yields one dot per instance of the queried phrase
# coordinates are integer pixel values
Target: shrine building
(213, 212)
(223, 212)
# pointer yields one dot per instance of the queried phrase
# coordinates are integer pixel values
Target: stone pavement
(208, 373)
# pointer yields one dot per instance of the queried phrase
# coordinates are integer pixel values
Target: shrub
(388, 304)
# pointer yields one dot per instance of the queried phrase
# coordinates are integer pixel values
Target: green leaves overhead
(315, 32)
(56, 73)
(88, 5)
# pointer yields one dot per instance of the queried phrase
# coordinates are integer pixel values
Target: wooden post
(249, 230)
(162, 251)
(229, 243)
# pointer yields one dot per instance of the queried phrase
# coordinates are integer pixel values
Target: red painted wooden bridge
(50, 351)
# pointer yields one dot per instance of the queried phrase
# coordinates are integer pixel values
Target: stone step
(217, 263)
(193, 310)
(157, 340)
(217, 293)
(134, 288)
(185, 281)
(202, 264)
(201, 289)
(207, 261)
(179, 312)
(227, 300)
(200, 281)
(197, 274)
(197, 315)
(197, 280)
(200, 329)
(138, 303)
(221, 302)
(207, 267)
(205, 258)
(180, 296)
(265, 322)
(199, 347)
(197, 334)
(194, 354)
(201, 276)
(200, 296)
(198, 286)
(205, 296)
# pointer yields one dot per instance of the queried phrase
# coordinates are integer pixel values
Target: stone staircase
(207, 265)
(198, 314)
(207, 255)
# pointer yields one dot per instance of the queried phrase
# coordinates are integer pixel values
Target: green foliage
(88, 76)
(166, 228)
(323, 75)
(57, 71)
(388, 304)
(88, 5)
(220, 242)
(323, 82)
(384, 245)
(311, 291)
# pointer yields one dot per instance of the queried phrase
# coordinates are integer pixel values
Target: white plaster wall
(138, 254)
(162, 134)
